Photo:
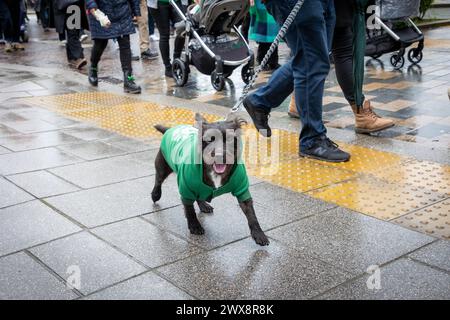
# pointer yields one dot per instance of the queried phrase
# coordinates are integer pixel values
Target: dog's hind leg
(205, 207)
(163, 170)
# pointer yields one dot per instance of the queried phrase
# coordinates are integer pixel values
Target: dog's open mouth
(219, 168)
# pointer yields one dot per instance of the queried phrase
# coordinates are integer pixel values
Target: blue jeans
(309, 38)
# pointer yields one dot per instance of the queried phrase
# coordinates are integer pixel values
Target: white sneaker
(83, 38)
(154, 37)
(63, 43)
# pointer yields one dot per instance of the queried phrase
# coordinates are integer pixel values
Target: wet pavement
(76, 170)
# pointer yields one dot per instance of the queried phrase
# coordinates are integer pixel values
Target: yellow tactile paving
(378, 198)
(380, 184)
(433, 220)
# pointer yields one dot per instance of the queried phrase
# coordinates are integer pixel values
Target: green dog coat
(179, 148)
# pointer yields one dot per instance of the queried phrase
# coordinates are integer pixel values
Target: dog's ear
(200, 121)
(237, 121)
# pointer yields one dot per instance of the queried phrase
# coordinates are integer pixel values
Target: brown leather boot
(293, 113)
(367, 121)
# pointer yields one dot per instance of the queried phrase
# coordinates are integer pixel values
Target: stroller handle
(180, 13)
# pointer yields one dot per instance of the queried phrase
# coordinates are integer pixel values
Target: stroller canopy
(219, 16)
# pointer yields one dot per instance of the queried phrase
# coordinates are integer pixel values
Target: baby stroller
(213, 43)
(397, 32)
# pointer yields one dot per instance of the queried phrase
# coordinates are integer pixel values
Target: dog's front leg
(193, 224)
(255, 229)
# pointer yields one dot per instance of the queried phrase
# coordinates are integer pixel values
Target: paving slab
(281, 199)
(144, 287)
(34, 160)
(349, 240)
(226, 224)
(5, 131)
(92, 150)
(243, 270)
(30, 224)
(133, 145)
(111, 203)
(22, 278)
(11, 194)
(4, 150)
(37, 141)
(89, 133)
(42, 184)
(30, 126)
(99, 264)
(436, 254)
(403, 279)
(146, 243)
(105, 171)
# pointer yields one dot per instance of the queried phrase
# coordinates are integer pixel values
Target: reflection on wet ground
(415, 97)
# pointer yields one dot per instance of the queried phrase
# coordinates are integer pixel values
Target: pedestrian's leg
(162, 19)
(144, 35)
(151, 23)
(179, 40)
(310, 67)
(74, 49)
(366, 120)
(125, 59)
(97, 51)
(96, 55)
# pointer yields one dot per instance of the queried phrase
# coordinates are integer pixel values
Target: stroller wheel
(217, 81)
(247, 73)
(397, 61)
(415, 56)
(180, 72)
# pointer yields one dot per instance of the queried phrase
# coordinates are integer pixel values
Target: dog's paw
(205, 207)
(156, 195)
(260, 238)
(196, 229)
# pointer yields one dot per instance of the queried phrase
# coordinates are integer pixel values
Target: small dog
(206, 159)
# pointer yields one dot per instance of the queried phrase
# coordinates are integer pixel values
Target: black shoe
(326, 150)
(260, 118)
(135, 58)
(93, 76)
(168, 72)
(129, 86)
(149, 55)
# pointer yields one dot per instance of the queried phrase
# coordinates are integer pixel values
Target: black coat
(119, 12)
(60, 17)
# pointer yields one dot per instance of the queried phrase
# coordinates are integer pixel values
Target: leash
(281, 34)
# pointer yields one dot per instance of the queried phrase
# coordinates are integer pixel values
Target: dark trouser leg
(5, 20)
(162, 20)
(308, 39)
(125, 53)
(151, 23)
(245, 27)
(343, 59)
(13, 33)
(97, 51)
(73, 48)
(179, 40)
(263, 47)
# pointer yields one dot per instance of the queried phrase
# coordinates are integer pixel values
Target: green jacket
(179, 148)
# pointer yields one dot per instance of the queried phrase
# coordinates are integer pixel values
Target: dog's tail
(161, 128)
